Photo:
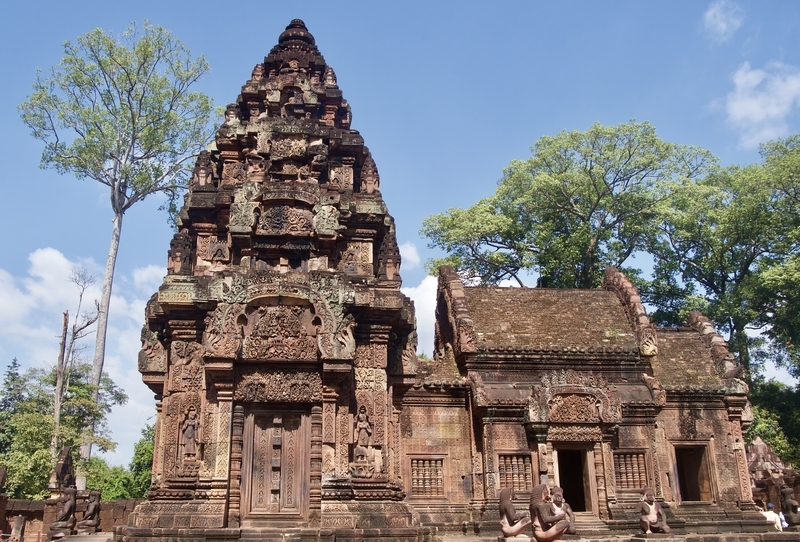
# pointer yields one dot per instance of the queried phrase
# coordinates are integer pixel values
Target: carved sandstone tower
(274, 342)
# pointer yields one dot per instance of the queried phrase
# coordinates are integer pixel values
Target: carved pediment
(280, 318)
(573, 397)
(285, 220)
(573, 408)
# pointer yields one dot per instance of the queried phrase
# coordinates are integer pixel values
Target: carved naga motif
(724, 362)
(627, 293)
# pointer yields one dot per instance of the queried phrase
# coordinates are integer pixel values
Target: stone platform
(398, 535)
(736, 537)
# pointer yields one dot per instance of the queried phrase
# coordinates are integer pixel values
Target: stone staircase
(587, 523)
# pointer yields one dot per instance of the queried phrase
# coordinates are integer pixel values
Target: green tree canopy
(116, 482)
(31, 424)
(581, 202)
(121, 112)
(718, 235)
(776, 418)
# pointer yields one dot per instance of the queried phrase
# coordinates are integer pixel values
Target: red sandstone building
(291, 402)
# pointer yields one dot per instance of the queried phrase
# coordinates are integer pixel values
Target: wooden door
(275, 464)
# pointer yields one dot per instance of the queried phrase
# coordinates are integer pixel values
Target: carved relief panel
(357, 258)
(153, 355)
(285, 220)
(280, 332)
(256, 385)
(341, 177)
(223, 333)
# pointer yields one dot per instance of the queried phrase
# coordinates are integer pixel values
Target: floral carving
(285, 148)
(257, 385)
(371, 355)
(574, 433)
(370, 379)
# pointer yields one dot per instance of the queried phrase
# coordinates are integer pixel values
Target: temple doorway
(275, 471)
(574, 475)
(694, 480)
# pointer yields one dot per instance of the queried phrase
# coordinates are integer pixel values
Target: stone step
(94, 537)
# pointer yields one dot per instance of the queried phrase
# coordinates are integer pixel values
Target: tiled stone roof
(539, 317)
(683, 360)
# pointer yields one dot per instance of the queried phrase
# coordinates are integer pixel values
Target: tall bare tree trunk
(102, 320)
(59, 391)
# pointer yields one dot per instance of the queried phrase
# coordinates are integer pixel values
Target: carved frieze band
(258, 385)
(574, 433)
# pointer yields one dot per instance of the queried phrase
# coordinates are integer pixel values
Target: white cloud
(408, 251)
(424, 296)
(722, 19)
(31, 308)
(148, 279)
(762, 101)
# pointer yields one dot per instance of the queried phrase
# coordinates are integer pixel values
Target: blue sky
(446, 94)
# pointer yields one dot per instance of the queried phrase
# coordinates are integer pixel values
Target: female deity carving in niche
(362, 433)
(189, 430)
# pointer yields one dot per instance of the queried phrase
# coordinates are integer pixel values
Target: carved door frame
(589, 472)
(286, 454)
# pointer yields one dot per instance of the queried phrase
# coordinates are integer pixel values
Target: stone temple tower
(278, 334)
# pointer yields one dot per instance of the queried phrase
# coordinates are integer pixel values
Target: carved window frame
(520, 493)
(444, 458)
(619, 476)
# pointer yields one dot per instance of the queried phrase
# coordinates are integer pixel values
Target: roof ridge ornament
(615, 281)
